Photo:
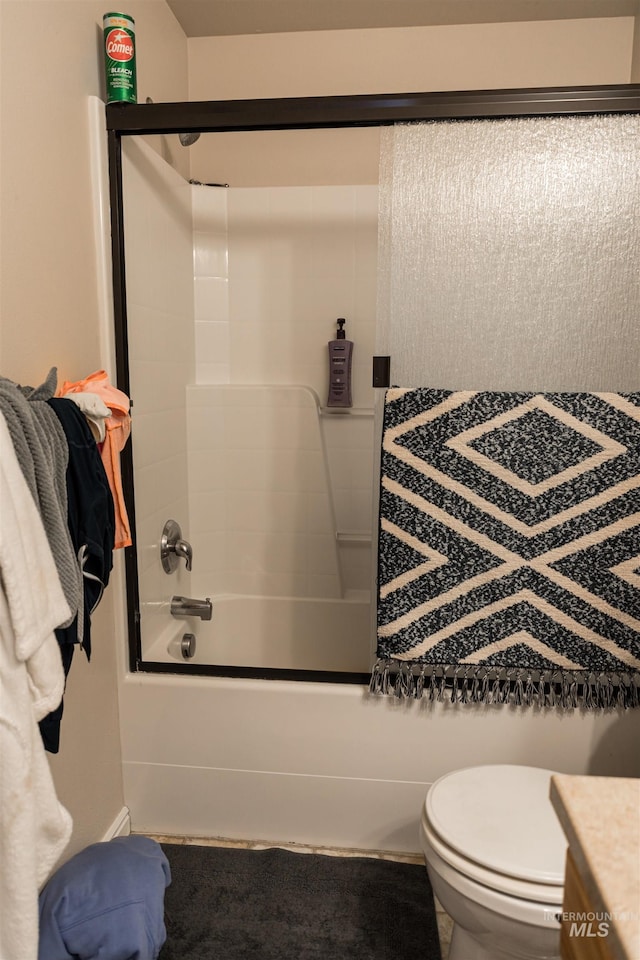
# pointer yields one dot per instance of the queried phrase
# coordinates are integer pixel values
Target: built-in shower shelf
(346, 411)
(353, 536)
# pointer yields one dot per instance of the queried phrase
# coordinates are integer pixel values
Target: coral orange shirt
(118, 428)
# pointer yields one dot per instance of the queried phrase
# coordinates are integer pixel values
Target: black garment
(92, 527)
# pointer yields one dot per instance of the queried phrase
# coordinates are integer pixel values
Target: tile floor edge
(399, 856)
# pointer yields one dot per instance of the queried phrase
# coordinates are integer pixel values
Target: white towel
(95, 410)
(34, 827)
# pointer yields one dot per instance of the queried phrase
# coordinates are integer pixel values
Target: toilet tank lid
(501, 816)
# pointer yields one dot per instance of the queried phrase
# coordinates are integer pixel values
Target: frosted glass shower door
(509, 253)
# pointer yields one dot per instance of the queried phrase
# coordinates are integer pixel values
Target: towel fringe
(467, 683)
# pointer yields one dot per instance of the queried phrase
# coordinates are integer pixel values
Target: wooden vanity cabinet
(581, 938)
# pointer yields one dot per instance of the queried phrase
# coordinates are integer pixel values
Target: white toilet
(495, 853)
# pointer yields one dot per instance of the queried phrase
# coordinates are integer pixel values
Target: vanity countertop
(601, 818)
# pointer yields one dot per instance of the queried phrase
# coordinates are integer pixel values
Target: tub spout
(187, 607)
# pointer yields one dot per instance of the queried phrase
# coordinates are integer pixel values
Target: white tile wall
(210, 284)
(230, 287)
(349, 445)
(261, 510)
(298, 258)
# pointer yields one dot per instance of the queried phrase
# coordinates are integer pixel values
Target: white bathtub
(275, 632)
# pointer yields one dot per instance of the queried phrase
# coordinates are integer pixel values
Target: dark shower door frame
(299, 113)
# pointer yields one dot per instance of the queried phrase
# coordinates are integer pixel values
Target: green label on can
(120, 58)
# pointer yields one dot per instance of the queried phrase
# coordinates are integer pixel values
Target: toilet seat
(502, 883)
(511, 909)
(495, 824)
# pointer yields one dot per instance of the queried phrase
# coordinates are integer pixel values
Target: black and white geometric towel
(509, 547)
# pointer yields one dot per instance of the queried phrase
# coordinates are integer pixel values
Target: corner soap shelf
(350, 411)
(353, 536)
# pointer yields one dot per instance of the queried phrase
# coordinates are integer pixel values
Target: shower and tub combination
(270, 486)
(221, 332)
(287, 593)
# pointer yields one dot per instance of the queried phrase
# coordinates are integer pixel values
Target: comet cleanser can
(120, 57)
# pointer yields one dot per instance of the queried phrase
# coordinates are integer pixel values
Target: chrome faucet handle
(172, 547)
(182, 548)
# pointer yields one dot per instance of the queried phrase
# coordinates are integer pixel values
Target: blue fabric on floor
(106, 903)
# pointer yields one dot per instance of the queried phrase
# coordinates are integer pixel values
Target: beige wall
(476, 56)
(51, 61)
(635, 64)
(326, 63)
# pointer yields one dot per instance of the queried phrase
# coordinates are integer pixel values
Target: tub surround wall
(261, 482)
(276, 633)
(261, 510)
(211, 283)
(300, 257)
(274, 268)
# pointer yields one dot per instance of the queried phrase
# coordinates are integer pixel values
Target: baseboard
(121, 826)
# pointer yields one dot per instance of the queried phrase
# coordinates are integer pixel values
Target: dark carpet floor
(235, 904)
